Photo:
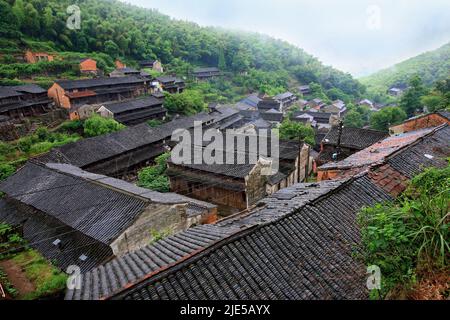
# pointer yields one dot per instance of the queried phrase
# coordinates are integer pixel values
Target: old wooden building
(132, 112)
(71, 94)
(171, 84)
(409, 153)
(17, 102)
(267, 104)
(286, 100)
(206, 73)
(339, 144)
(73, 217)
(121, 154)
(235, 186)
(151, 64)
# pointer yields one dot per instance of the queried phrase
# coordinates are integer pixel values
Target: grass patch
(46, 277)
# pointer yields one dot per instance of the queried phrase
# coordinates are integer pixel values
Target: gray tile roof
(354, 138)
(298, 244)
(130, 105)
(93, 150)
(99, 82)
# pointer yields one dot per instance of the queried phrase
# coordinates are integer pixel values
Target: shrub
(409, 236)
(96, 125)
(154, 177)
(6, 170)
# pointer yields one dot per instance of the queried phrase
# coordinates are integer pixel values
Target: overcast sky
(357, 36)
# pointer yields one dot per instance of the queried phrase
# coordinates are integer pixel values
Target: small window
(57, 242)
(83, 257)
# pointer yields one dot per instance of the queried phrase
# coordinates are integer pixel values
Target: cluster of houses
(297, 243)
(233, 232)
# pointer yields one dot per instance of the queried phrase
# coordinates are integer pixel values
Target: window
(57, 242)
(83, 257)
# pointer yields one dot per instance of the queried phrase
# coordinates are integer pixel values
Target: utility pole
(338, 147)
(299, 165)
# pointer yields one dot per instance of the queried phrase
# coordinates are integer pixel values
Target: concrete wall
(155, 218)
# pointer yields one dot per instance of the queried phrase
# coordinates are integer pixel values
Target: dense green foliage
(154, 177)
(96, 126)
(124, 31)
(410, 236)
(188, 102)
(290, 130)
(430, 66)
(387, 117)
(411, 99)
(16, 153)
(353, 119)
(439, 97)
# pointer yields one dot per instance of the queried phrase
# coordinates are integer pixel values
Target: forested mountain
(119, 30)
(431, 66)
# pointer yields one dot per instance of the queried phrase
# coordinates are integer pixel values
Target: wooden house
(206, 73)
(74, 217)
(171, 84)
(72, 94)
(21, 101)
(152, 64)
(132, 112)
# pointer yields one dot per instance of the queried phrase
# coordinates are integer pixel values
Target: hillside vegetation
(254, 61)
(431, 66)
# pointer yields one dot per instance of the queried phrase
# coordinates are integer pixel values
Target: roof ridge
(242, 232)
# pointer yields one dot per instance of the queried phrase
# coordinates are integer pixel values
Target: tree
(290, 130)
(96, 125)
(387, 117)
(411, 100)
(155, 177)
(353, 119)
(8, 21)
(188, 102)
(112, 49)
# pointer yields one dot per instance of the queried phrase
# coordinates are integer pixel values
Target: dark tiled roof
(321, 117)
(80, 208)
(354, 138)
(267, 104)
(14, 91)
(91, 83)
(397, 145)
(272, 116)
(283, 96)
(298, 244)
(252, 100)
(432, 151)
(130, 105)
(207, 70)
(78, 203)
(93, 150)
(41, 232)
(445, 114)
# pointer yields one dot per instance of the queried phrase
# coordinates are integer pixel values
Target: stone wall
(164, 219)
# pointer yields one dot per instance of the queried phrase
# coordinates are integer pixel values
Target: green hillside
(431, 66)
(253, 61)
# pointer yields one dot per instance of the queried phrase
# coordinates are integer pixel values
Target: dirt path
(17, 278)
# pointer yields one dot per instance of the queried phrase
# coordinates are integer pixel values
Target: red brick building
(422, 122)
(88, 65)
(34, 57)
